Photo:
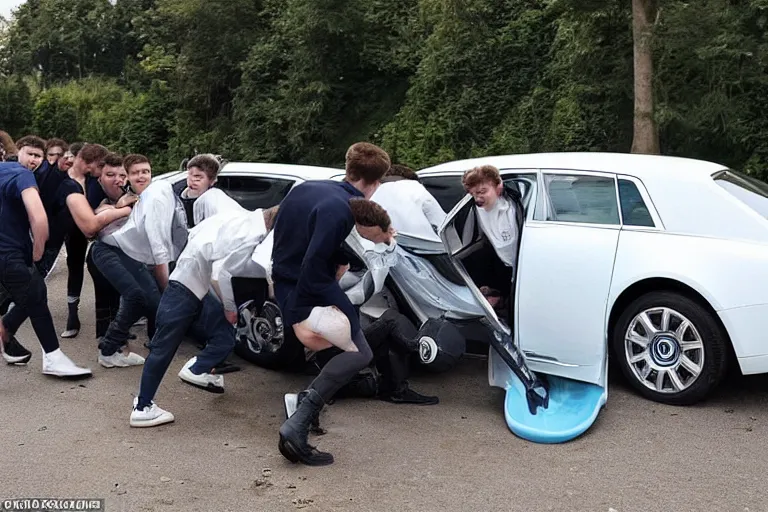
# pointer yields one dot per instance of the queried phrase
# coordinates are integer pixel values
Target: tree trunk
(646, 134)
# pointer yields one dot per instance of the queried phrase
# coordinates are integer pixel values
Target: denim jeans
(30, 296)
(139, 293)
(181, 311)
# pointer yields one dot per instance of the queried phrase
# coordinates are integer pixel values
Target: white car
(660, 261)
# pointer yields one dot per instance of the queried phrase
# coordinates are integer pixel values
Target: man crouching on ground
(314, 220)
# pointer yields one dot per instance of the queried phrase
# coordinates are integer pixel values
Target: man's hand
(126, 200)
(37, 252)
(231, 317)
(3, 334)
(340, 271)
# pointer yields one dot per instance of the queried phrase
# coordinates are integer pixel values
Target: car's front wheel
(670, 348)
(260, 337)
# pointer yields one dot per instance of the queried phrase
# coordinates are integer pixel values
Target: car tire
(670, 350)
(261, 340)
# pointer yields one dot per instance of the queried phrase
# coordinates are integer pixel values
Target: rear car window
(748, 190)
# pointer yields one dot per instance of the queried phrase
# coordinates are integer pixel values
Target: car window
(448, 190)
(579, 198)
(634, 212)
(254, 192)
(179, 187)
(748, 190)
(524, 183)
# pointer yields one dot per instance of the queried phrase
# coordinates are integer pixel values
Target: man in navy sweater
(311, 226)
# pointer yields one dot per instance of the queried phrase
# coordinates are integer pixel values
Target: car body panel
(720, 251)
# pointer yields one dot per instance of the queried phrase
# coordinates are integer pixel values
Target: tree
(646, 134)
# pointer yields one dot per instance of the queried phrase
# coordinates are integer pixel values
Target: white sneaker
(58, 364)
(120, 360)
(141, 321)
(150, 416)
(206, 381)
(291, 401)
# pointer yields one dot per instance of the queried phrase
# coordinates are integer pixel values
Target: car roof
(641, 166)
(306, 172)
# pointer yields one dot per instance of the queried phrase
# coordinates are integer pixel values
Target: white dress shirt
(412, 209)
(500, 226)
(213, 201)
(147, 234)
(219, 248)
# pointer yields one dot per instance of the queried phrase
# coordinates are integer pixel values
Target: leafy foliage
(430, 80)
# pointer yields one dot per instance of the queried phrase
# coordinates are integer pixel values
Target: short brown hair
(403, 171)
(92, 153)
(7, 142)
(269, 217)
(113, 160)
(53, 143)
(368, 213)
(133, 159)
(31, 140)
(481, 174)
(206, 163)
(75, 148)
(366, 162)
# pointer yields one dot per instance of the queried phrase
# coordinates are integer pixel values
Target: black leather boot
(295, 431)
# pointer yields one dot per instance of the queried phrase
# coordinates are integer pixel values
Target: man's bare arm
(38, 221)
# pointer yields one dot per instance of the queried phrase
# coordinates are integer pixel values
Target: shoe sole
(110, 365)
(152, 423)
(70, 334)
(59, 374)
(205, 387)
(17, 359)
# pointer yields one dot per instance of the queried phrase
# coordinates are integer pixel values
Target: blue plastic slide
(542, 409)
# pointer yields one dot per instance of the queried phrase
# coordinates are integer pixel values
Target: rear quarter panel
(731, 275)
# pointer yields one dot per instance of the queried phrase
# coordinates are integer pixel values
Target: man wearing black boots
(314, 220)
(394, 341)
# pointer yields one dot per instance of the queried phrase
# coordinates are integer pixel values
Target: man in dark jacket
(311, 226)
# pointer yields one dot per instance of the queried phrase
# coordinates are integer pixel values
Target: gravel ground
(71, 439)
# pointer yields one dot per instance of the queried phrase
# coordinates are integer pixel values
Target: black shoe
(15, 353)
(409, 396)
(226, 367)
(295, 431)
(291, 401)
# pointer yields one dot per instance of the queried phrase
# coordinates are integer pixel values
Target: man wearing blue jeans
(218, 248)
(123, 257)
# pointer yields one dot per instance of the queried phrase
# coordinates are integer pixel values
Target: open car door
(540, 408)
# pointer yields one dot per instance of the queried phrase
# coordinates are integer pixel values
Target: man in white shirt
(201, 200)
(500, 214)
(412, 209)
(151, 236)
(219, 248)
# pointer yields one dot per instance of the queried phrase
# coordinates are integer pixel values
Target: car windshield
(748, 190)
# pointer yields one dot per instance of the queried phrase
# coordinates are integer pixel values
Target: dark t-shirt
(60, 220)
(94, 192)
(14, 235)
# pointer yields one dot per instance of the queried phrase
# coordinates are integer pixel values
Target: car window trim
(577, 172)
(658, 223)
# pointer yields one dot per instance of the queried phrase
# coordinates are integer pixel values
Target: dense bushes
(430, 80)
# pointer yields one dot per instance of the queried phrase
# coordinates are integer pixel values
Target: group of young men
(171, 259)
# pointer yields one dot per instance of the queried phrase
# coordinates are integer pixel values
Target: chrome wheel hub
(261, 331)
(664, 350)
